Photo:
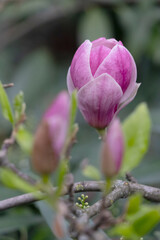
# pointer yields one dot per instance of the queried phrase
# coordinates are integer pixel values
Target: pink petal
(133, 86)
(109, 43)
(80, 67)
(98, 54)
(60, 106)
(120, 65)
(98, 100)
(99, 42)
(130, 94)
(70, 85)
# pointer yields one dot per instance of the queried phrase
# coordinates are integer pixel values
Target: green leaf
(139, 223)
(136, 130)
(125, 230)
(11, 180)
(5, 105)
(19, 106)
(73, 110)
(24, 139)
(134, 204)
(91, 172)
(148, 219)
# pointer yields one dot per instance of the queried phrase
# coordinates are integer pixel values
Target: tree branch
(8, 85)
(123, 190)
(120, 189)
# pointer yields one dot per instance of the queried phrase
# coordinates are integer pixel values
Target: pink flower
(51, 135)
(112, 151)
(104, 74)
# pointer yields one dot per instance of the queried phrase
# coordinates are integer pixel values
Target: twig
(19, 200)
(8, 85)
(105, 217)
(130, 178)
(20, 174)
(120, 190)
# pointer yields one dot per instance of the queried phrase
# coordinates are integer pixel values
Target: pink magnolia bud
(112, 149)
(51, 135)
(104, 73)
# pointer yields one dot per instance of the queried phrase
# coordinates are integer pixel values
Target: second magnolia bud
(112, 151)
(51, 135)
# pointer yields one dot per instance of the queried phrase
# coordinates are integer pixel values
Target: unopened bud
(112, 150)
(51, 135)
(44, 159)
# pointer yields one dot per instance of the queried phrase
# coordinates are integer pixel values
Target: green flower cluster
(83, 204)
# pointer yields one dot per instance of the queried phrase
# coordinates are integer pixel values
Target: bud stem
(45, 178)
(108, 185)
(101, 133)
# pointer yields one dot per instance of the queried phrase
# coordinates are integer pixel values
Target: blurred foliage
(136, 129)
(37, 41)
(24, 139)
(140, 219)
(92, 172)
(88, 30)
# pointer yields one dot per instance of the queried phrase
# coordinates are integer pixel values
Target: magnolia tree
(101, 81)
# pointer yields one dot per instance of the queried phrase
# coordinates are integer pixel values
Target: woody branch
(120, 189)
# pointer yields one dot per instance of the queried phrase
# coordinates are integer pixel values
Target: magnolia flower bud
(112, 149)
(51, 135)
(104, 74)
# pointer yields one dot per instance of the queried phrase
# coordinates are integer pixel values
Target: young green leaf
(91, 172)
(134, 204)
(124, 229)
(19, 106)
(11, 180)
(24, 139)
(136, 130)
(5, 105)
(138, 224)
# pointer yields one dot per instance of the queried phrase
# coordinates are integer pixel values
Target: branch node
(130, 178)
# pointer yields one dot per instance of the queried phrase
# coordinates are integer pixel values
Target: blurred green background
(38, 39)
